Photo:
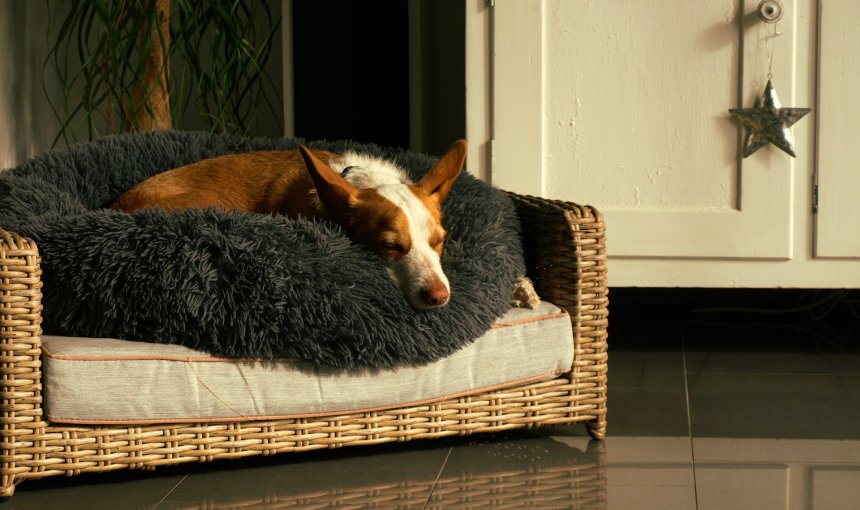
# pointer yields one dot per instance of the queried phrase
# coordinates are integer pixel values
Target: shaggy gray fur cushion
(244, 284)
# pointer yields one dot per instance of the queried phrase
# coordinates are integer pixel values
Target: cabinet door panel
(624, 104)
(838, 222)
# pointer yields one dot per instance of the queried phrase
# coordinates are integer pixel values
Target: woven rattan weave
(565, 246)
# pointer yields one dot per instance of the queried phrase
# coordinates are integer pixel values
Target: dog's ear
(438, 181)
(337, 196)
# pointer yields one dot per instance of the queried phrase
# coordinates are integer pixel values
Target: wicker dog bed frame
(565, 251)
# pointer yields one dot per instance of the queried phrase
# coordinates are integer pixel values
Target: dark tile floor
(708, 410)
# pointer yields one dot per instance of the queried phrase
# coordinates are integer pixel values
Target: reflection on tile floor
(707, 416)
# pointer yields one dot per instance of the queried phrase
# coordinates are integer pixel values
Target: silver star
(767, 123)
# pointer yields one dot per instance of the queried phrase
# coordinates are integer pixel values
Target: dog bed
(242, 284)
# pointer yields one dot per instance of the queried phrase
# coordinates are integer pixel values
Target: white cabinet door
(624, 104)
(838, 171)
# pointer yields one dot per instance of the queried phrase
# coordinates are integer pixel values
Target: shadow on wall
(27, 125)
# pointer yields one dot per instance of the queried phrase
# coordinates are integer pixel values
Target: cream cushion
(110, 381)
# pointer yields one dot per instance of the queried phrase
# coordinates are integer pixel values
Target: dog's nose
(437, 295)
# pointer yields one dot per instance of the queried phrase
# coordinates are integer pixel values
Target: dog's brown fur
(269, 182)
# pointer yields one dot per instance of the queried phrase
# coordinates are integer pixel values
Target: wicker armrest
(565, 250)
(20, 348)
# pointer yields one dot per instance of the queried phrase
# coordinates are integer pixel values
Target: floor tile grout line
(689, 419)
(171, 491)
(438, 476)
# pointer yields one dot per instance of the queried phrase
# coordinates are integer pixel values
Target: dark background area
(352, 76)
(351, 62)
(791, 320)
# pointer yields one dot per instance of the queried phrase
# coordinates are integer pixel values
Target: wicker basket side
(20, 348)
(565, 246)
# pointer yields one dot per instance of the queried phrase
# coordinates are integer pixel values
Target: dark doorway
(351, 70)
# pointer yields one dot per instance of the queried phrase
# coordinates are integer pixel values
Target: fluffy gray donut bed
(242, 284)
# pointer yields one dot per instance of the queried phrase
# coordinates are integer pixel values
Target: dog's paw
(524, 295)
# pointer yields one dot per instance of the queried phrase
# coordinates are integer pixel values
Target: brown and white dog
(370, 198)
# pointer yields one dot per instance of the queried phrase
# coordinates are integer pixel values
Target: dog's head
(400, 221)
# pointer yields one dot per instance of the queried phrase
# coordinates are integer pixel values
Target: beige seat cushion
(104, 380)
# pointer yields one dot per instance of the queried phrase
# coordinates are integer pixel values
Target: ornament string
(769, 43)
(770, 55)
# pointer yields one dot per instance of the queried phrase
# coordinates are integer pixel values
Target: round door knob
(770, 11)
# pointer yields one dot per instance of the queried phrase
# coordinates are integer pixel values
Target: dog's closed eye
(394, 246)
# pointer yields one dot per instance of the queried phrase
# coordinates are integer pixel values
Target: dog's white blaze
(371, 172)
(420, 267)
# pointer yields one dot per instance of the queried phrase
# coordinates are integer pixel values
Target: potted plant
(138, 65)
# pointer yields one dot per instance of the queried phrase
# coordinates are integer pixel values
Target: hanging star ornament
(767, 122)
